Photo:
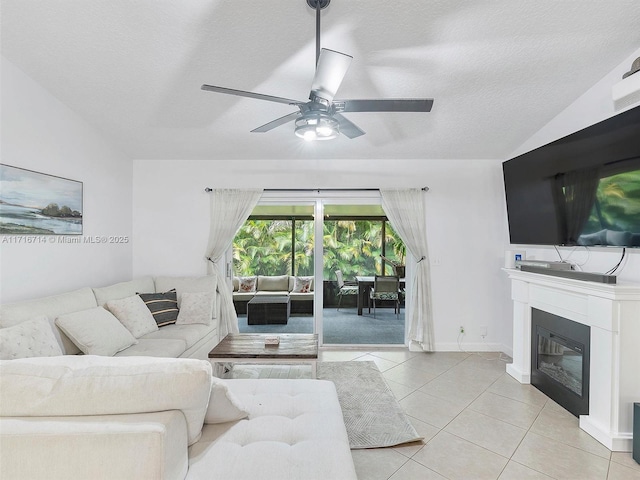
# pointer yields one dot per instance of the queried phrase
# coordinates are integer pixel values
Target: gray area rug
(372, 415)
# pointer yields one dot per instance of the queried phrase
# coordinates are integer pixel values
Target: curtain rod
(424, 189)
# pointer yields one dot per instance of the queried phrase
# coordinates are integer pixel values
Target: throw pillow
(196, 308)
(95, 331)
(223, 405)
(33, 338)
(302, 284)
(203, 283)
(163, 306)
(247, 284)
(133, 314)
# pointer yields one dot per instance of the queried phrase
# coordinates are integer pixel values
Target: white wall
(595, 105)
(592, 107)
(40, 133)
(466, 219)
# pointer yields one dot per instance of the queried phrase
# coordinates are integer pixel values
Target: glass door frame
(320, 198)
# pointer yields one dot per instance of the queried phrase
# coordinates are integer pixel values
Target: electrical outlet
(461, 329)
(483, 331)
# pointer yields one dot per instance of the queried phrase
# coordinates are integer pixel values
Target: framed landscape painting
(33, 203)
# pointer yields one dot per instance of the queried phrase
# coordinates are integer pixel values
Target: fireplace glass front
(560, 360)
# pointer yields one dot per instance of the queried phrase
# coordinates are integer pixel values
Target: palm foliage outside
(264, 247)
(616, 205)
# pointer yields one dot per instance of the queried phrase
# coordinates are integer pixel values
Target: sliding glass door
(358, 244)
(273, 256)
(355, 241)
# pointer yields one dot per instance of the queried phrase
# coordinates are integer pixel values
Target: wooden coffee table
(250, 348)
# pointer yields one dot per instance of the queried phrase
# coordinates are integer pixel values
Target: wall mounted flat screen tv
(583, 189)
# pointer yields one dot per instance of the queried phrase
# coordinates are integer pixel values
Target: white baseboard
(470, 347)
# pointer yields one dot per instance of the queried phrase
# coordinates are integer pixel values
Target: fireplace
(611, 314)
(560, 360)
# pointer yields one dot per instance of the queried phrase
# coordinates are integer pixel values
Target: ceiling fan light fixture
(317, 126)
(321, 118)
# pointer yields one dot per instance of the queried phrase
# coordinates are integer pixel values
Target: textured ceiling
(498, 69)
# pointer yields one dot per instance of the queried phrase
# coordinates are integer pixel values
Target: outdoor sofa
(298, 289)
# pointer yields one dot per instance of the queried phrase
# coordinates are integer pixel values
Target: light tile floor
(477, 423)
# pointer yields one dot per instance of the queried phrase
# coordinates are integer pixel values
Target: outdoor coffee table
(267, 309)
(250, 348)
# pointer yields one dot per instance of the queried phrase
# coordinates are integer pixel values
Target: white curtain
(406, 212)
(229, 210)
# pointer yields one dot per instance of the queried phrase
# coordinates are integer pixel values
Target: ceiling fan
(321, 117)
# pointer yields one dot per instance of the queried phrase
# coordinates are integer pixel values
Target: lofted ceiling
(498, 70)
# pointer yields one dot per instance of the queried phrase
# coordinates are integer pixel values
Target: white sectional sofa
(140, 415)
(185, 341)
(85, 416)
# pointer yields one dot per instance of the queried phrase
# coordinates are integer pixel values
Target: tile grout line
(522, 440)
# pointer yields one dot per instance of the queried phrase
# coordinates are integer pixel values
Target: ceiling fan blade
(348, 128)
(384, 105)
(243, 93)
(276, 123)
(330, 71)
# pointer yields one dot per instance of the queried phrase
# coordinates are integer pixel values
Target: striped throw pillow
(163, 306)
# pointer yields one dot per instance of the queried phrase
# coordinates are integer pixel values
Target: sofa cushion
(204, 283)
(33, 338)
(148, 347)
(204, 345)
(295, 430)
(95, 331)
(163, 306)
(239, 296)
(95, 385)
(297, 297)
(196, 308)
(273, 283)
(302, 284)
(123, 289)
(189, 334)
(223, 406)
(292, 282)
(247, 284)
(52, 307)
(133, 314)
(272, 293)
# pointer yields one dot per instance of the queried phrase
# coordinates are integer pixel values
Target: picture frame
(35, 203)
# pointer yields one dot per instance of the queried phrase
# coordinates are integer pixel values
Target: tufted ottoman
(295, 430)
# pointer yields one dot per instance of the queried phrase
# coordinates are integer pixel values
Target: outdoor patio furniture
(346, 288)
(268, 310)
(385, 288)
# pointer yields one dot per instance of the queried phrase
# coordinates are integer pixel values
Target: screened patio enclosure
(283, 239)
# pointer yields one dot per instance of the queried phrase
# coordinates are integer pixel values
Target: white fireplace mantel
(613, 313)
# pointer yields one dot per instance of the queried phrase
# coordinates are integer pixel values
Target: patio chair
(346, 288)
(385, 288)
